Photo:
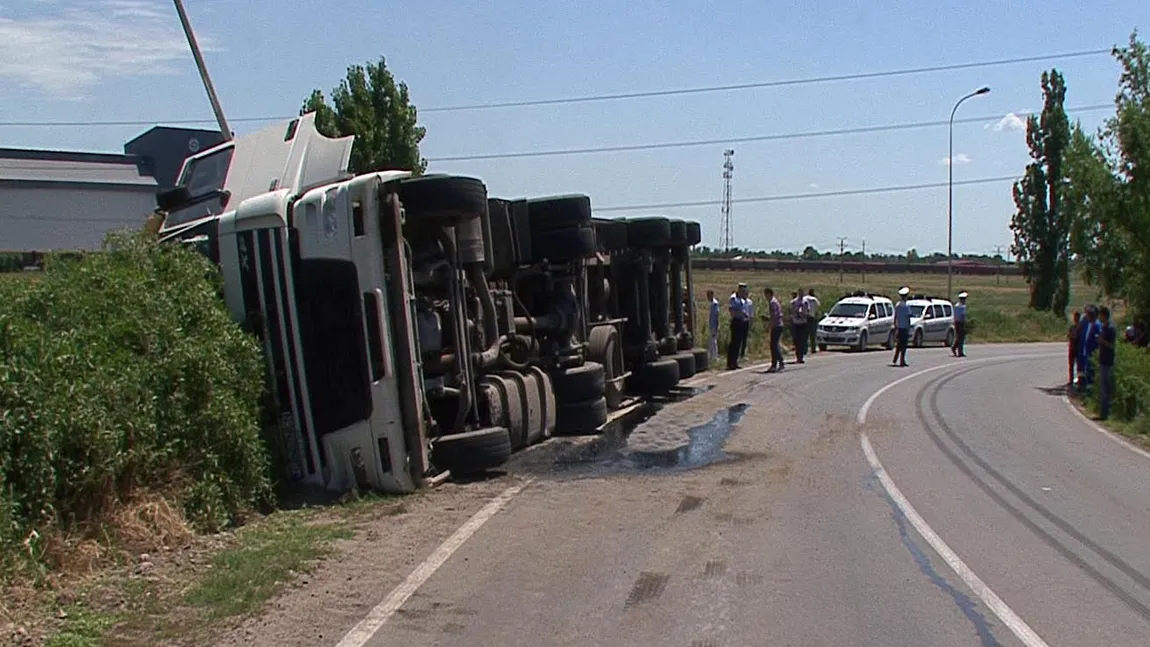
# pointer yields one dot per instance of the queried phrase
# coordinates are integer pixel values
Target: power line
(768, 84)
(858, 130)
(807, 196)
(606, 97)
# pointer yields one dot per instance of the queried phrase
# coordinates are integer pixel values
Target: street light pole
(950, 195)
(203, 69)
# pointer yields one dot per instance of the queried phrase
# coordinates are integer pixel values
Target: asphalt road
(790, 538)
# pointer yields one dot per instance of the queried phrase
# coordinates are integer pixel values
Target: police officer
(959, 347)
(737, 307)
(902, 323)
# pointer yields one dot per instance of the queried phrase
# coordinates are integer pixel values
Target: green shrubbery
(1130, 402)
(122, 374)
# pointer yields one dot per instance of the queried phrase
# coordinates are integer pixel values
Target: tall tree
(1041, 229)
(1108, 193)
(371, 105)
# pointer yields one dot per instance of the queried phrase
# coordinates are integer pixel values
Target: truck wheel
(654, 378)
(694, 233)
(558, 212)
(547, 398)
(702, 360)
(578, 384)
(449, 196)
(678, 232)
(889, 341)
(611, 234)
(604, 342)
(686, 362)
(563, 245)
(581, 417)
(917, 338)
(516, 390)
(472, 452)
(649, 232)
(949, 341)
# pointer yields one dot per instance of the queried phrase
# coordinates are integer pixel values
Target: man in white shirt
(813, 307)
(799, 325)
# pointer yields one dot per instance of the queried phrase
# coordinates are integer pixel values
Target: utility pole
(725, 238)
(997, 263)
(842, 246)
(203, 69)
(864, 260)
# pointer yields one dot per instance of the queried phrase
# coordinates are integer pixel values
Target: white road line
(1000, 609)
(1104, 431)
(377, 617)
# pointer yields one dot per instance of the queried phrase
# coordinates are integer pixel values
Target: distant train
(745, 264)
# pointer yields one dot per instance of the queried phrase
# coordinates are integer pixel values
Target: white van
(858, 321)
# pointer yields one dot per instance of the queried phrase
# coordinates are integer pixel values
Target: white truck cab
(858, 320)
(311, 267)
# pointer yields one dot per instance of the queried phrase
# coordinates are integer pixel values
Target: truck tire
(702, 360)
(547, 397)
(443, 196)
(694, 233)
(605, 349)
(562, 245)
(654, 378)
(558, 212)
(611, 235)
(472, 452)
(649, 232)
(535, 409)
(585, 417)
(516, 407)
(579, 384)
(678, 232)
(686, 362)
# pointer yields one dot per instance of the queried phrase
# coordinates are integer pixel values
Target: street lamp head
(983, 90)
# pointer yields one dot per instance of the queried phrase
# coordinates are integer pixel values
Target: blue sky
(126, 60)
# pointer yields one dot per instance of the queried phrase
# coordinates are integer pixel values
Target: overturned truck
(415, 326)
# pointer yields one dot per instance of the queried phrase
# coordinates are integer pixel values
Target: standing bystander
(959, 347)
(1072, 337)
(712, 326)
(799, 325)
(1107, 336)
(738, 310)
(902, 322)
(749, 308)
(813, 307)
(775, 323)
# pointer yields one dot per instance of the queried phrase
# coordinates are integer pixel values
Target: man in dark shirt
(1107, 336)
(1072, 337)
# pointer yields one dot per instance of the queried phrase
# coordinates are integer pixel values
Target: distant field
(998, 306)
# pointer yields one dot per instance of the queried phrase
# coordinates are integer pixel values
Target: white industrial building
(63, 200)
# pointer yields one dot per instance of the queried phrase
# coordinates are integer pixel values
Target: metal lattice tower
(725, 238)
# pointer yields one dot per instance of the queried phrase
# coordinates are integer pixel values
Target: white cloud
(1012, 121)
(63, 51)
(813, 185)
(961, 158)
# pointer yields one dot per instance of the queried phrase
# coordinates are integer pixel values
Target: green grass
(84, 628)
(998, 305)
(245, 576)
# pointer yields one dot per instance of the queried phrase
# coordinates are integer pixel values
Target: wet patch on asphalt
(612, 452)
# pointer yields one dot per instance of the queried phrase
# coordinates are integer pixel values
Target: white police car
(931, 321)
(857, 321)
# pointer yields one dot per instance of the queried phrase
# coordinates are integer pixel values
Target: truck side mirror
(173, 198)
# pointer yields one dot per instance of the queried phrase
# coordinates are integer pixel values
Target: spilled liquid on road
(609, 454)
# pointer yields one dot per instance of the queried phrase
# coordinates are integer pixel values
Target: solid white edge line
(365, 629)
(1008, 617)
(1104, 431)
(988, 597)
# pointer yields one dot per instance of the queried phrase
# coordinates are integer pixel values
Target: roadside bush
(122, 373)
(995, 325)
(1131, 400)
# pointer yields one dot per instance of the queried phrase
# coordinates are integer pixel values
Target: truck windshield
(202, 176)
(852, 310)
